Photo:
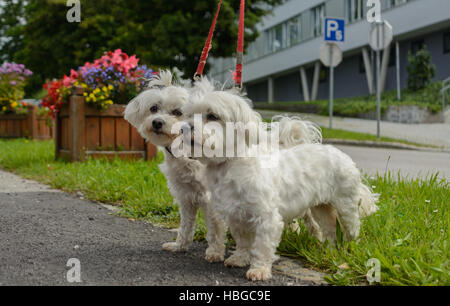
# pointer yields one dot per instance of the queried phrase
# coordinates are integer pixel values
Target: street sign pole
(378, 83)
(331, 87)
(397, 60)
(380, 37)
(331, 55)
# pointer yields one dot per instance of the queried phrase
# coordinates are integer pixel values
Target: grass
(408, 235)
(138, 187)
(348, 135)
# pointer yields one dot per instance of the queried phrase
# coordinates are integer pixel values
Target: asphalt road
(409, 163)
(41, 229)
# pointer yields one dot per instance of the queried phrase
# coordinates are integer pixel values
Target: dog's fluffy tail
(295, 131)
(367, 204)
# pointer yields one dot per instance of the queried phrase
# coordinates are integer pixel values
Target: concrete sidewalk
(42, 228)
(436, 134)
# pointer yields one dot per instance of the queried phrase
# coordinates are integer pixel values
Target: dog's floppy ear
(131, 113)
(251, 120)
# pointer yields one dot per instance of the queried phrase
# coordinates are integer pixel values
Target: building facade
(283, 63)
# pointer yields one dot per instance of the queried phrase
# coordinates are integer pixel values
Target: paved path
(436, 134)
(41, 229)
(409, 163)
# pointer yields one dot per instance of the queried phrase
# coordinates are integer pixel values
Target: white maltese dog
(257, 201)
(154, 112)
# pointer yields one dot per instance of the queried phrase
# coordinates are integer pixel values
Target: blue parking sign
(334, 29)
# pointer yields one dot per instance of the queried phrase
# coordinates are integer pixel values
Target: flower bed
(33, 124)
(17, 119)
(88, 106)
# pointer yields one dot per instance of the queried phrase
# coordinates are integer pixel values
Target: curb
(381, 144)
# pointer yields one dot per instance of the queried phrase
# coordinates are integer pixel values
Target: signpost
(380, 38)
(331, 54)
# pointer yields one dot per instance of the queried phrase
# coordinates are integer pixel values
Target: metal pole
(378, 82)
(397, 55)
(443, 105)
(331, 86)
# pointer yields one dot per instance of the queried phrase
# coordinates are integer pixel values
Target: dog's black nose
(157, 124)
(185, 129)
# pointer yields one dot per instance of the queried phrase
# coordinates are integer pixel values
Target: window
(278, 38)
(275, 39)
(417, 45)
(317, 19)
(355, 10)
(267, 41)
(447, 42)
(387, 4)
(294, 29)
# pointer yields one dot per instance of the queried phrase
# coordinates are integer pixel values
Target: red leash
(237, 75)
(208, 46)
(240, 48)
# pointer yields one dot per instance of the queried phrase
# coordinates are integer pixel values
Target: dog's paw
(237, 260)
(259, 274)
(214, 255)
(172, 247)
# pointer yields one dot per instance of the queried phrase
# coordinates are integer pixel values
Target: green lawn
(348, 135)
(409, 235)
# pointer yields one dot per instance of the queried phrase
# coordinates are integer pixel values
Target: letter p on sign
(334, 29)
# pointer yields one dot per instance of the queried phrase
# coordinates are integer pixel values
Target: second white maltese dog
(257, 201)
(154, 112)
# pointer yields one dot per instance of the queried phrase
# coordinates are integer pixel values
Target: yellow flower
(14, 104)
(110, 87)
(109, 102)
(91, 95)
(85, 94)
(88, 99)
(4, 108)
(96, 91)
(105, 89)
(83, 85)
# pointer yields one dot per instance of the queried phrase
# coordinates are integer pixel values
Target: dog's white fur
(186, 177)
(257, 202)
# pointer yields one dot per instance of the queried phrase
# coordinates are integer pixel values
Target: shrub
(12, 83)
(428, 98)
(420, 69)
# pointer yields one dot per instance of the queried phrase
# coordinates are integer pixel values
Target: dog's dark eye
(154, 108)
(212, 117)
(177, 113)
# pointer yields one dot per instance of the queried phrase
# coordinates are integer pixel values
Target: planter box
(30, 125)
(83, 131)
